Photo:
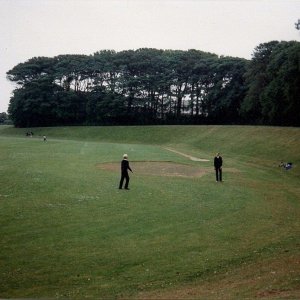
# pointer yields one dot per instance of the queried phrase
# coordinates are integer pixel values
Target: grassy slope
(68, 232)
(261, 142)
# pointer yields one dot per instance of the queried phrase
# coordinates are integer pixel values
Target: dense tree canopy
(4, 118)
(273, 82)
(151, 86)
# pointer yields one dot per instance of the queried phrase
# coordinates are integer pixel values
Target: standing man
(124, 172)
(218, 162)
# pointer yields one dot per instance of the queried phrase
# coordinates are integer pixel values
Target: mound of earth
(158, 168)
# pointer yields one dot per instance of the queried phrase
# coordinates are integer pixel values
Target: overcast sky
(31, 28)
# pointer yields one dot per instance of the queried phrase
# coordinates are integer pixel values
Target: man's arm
(128, 167)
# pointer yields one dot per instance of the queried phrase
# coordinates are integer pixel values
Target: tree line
(4, 119)
(151, 86)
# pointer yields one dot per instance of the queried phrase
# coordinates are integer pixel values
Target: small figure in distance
(124, 172)
(218, 162)
(45, 138)
(286, 166)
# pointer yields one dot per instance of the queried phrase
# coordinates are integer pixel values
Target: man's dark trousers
(126, 177)
(218, 174)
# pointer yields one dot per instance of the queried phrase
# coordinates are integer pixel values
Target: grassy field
(67, 231)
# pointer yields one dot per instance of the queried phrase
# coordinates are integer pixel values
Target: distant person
(45, 138)
(286, 166)
(218, 162)
(124, 172)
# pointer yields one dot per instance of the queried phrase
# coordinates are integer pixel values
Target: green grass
(68, 232)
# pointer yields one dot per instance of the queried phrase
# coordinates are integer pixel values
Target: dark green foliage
(151, 86)
(273, 80)
(224, 100)
(4, 118)
(34, 104)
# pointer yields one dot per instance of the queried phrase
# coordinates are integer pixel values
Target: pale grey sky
(31, 28)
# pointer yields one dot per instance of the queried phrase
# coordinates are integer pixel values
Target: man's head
(125, 156)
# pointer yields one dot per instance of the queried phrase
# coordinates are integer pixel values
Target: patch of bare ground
(272, 278)
(163, 168)
(158, 168)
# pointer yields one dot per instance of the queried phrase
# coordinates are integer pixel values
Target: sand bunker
(158, 168)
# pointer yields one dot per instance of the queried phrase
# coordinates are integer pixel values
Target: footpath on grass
(186, 155)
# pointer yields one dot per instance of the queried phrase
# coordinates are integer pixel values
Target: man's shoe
(127, 188)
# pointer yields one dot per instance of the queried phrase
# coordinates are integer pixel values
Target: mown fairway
(68, 232)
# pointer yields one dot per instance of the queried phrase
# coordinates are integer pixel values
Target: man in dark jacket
(218, 162)
(124, 172)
